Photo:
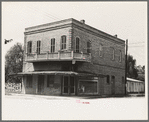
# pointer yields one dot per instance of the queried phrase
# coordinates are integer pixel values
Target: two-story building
(69, 57)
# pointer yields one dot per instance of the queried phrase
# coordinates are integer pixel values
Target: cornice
(88, 27)
(48, 29)
(97, 34)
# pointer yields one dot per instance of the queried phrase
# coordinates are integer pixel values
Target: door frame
(42, 83)
(113, 85)
(69, 87)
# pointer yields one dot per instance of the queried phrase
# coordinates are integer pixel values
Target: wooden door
(40, 84)
(113, 85)
(68, 85)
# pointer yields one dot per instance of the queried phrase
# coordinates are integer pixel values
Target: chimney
(82, 21)
(115, 35)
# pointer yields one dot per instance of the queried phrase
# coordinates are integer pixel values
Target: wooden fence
(12, 87)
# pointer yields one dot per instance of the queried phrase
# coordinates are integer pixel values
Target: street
(39, 107)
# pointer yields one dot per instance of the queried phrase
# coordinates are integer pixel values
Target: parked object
(135, 86)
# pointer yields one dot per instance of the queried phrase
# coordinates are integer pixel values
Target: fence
(12, 87)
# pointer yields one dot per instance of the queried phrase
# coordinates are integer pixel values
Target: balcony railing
(58, 56)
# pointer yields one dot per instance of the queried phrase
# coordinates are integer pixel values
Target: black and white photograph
(74, 60)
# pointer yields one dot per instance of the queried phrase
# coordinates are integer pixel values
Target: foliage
(13, 63)
(131, 67)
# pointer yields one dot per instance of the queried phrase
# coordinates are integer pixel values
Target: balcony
(59, 56)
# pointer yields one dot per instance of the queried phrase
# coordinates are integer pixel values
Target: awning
(134, 80)
(54, 73)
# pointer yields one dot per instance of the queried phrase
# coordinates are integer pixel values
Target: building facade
(69, 57)
(135, 86)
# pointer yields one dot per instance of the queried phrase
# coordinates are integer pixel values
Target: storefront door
(113, 85)
(40, 84)
(68, 85)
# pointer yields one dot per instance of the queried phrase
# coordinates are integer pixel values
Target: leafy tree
(13, 63)
(131, 67)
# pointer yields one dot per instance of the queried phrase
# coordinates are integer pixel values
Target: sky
(126, 19)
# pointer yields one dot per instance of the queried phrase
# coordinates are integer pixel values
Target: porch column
(36, 83)
(23, 84)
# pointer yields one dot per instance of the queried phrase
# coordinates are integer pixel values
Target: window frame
(77, 45)
(63, 44)
(38, 47)
(29, 47)
(52, 45)
(113, 53)
(101, 50)
(120, 56)
(123, 80)
(108, 79)
(49, 83)
(89, 46)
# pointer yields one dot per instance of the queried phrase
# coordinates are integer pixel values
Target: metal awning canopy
(54, 73)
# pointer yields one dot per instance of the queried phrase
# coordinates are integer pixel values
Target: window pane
(50, 80)
(63, 45)
(66, 81)
(77, 45)
(72, 90)
(108, 80)
(87, 87)
(71, 81)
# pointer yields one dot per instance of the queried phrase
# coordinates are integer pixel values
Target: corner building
(69, 57)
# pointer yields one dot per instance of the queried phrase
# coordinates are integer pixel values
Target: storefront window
(87, 87)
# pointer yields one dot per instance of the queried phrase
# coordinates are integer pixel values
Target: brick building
(69, 57)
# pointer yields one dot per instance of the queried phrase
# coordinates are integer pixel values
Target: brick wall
(102, 65)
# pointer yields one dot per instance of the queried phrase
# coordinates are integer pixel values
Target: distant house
(135, 86)
(69, 57)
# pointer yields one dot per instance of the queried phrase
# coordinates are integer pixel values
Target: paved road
(38, 107)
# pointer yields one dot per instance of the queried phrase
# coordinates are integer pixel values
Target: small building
(135, 86)
(69, 57)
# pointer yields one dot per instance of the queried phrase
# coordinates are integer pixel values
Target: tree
(13, 63)
(131, 67)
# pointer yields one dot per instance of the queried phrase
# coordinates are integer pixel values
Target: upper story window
(53, 45)
(38, 47)
(29, 47)
(88, 47)
(77, 45)
(113, 53)
(120, 56)
(100, 50)
(63, 44)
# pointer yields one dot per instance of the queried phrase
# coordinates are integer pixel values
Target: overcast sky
(126, 19)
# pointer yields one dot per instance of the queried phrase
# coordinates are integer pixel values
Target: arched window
(113, 53)
(89, 47)
(53, 45)
(29, 47)
(63, 42)
(77, 46)
(120, 56)
(108, 79)
(38, 47)
(100, 50)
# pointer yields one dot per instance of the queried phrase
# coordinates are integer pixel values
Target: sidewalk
(36, 96)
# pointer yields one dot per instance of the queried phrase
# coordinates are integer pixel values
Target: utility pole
(126, 66)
